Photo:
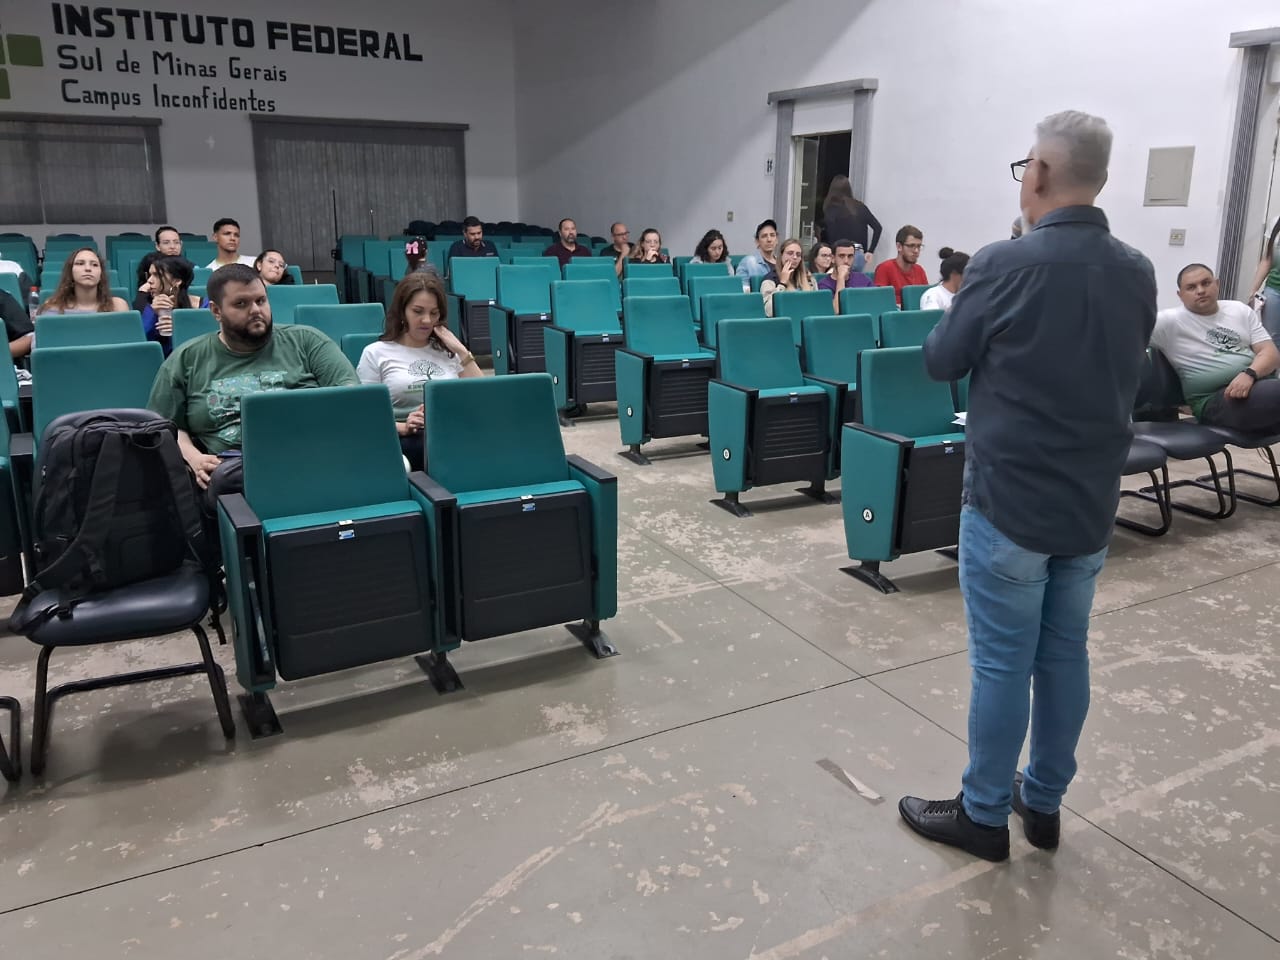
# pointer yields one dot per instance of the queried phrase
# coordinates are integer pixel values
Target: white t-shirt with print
(937, 298)
(214, 264)
(404, 370)
(1208, 352)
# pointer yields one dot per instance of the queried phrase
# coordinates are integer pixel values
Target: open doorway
(817, 157)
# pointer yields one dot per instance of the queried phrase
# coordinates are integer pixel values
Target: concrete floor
(670, 802)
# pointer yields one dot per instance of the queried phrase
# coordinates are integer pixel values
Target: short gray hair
(1081, 144)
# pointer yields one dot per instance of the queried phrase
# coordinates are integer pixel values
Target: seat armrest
(825, 382)
(597, 474)
(636, 353)
(751, 391)
(564, 330)
(882, 434)
(433, 491)
(22, 447)
(509, 311)
(241, 515)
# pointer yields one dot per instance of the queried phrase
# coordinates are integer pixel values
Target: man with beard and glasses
(903, 270)
(200, 386)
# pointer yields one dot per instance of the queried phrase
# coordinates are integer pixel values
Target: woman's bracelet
(467, 358)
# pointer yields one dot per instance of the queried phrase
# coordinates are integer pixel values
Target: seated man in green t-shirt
(200, 386)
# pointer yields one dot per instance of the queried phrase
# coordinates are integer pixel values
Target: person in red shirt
(903, 270)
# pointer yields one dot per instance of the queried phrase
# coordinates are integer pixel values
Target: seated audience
(903, 270)
(1223, 355)
(821, 256)
(226, 234)
(143, 296)
(415, 256)
(763, 261)
(566, 246)
(845, 217)
(649, 249)
(168, 241)
(844, 272)
(169, 284)
(17, 323)
(473, 243)
(200, 386)
(416, 346)
(272, 267)
(940, 297)
(791, 274)
(83, 287)
(712, 248)
(620, 248)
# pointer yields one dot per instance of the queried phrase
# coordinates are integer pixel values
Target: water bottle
(33, 303)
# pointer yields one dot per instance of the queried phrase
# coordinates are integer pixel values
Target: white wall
(466, 76)
(662, 118)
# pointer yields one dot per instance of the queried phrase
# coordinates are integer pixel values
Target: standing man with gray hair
(1051, 329)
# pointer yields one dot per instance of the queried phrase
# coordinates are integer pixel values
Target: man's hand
(202, 465)
(842, 275)
(1239, 387)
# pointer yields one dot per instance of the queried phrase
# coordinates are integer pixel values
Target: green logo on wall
(18, 50)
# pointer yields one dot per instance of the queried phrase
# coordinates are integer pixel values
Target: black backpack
(114, 505)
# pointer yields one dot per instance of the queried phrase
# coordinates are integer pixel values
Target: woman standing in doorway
(1268, 279)
(845, 217)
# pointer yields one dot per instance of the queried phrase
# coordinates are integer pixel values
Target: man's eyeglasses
(1019, 168)
(912, 246)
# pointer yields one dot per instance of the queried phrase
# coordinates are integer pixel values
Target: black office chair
(11, 763)
(1148, 458)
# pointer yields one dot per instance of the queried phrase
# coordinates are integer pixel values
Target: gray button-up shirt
(1052, 328)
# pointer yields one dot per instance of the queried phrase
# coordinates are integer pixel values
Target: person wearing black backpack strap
(201, 384)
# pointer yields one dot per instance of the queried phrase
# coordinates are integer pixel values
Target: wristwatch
(1251, 373)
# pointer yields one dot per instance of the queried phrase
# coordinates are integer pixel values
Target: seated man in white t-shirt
(1223, 355)
(416, 346)
(226, 234)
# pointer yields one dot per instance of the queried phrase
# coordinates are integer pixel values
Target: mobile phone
(229, 454)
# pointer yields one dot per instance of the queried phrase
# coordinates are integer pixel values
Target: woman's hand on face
(448, 339)
(785, 270)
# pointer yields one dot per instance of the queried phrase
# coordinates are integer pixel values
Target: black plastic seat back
(478, 337)
(593, 364)
(790, 439)
(349, 596)
(525, 562)
(930, 508)
(677, 397)
(530, 347)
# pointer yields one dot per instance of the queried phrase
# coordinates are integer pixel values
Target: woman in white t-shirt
(940, 297)
(416, 346)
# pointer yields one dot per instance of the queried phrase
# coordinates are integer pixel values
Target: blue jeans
(1028, 616)
(1271, 312)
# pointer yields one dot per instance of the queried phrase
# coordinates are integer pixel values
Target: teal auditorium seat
(829, 350)
(768, 422)
(349, 257)
(902, 467)
(191, 323)
(552, 262)
(795, 305)
(912, 294)
(872, 300)
(907, 328)
(580, 342)
(86, 329)
(122, 374)
(649, 287)
(582, 268)
(295, 271)
(337, 572)
(11, 284)
(727, 306)
(522, 310)
(662, 374)
(285, 300)
(533, 533)
(13, 407)
(690, 270)
(338, 320)
(700, 287)
(475, 280)
(631, 268)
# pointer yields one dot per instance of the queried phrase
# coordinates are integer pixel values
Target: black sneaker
(1042, 829)
(946, 822)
